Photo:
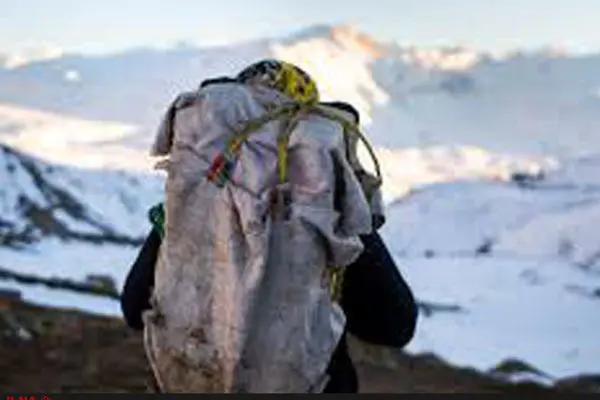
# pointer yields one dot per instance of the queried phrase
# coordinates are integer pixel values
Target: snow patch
(72, 76)
(505, 315)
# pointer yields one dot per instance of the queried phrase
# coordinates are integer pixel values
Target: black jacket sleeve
(378, 303)
(137, 289)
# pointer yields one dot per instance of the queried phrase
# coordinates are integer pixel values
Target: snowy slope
(510, 308)
(74, 141)
(519, 263)
(544, 219)
(64, 221)
(54, 258)
(38, 199)
(453, 130)
(407, 169)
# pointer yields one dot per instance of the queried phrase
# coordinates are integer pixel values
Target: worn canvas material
(241, 301)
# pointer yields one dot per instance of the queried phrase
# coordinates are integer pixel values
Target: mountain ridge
(338, 32)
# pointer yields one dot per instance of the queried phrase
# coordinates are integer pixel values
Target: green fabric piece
(156, 215)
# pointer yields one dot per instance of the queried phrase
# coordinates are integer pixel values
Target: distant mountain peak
(343, 34)
(353, 37)
(443, 57)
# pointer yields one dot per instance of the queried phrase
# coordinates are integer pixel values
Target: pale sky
(98, 26)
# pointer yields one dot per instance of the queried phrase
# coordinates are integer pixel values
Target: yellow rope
(293, 113)
(283, 145)
(354, 129)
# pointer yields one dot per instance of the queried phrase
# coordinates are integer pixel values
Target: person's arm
(137, 289)
(378, 303)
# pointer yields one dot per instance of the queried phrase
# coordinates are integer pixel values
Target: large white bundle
(242, 296)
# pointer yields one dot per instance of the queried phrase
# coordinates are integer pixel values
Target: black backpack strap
(218, 80)
(341, 105)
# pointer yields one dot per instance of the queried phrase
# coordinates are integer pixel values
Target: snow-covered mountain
(407, 97)
(490, 163)
(39, 199)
